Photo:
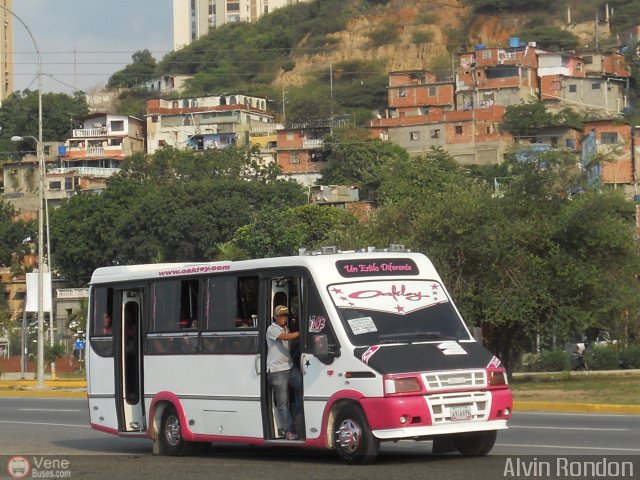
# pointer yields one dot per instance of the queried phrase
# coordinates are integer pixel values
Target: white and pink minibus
(177, 353)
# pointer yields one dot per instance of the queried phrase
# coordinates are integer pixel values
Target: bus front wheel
(352, 436)
(171, 440)
(476, 443)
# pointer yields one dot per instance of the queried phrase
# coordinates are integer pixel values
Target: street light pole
(40, 364)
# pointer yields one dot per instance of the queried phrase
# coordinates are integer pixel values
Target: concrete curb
(575, 408)
(78, 389)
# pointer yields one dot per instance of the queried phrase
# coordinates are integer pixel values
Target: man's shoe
(292, 436)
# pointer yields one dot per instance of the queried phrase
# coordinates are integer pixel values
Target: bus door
(284, 290)
(131, 396)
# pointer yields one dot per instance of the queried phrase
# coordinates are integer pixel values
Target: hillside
(351, 45)
(449, 27)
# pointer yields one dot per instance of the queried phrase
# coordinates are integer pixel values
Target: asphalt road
(54, 436)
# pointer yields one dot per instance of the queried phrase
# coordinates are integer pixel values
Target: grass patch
(618, 389)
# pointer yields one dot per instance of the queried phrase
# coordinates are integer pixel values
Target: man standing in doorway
(282, 373)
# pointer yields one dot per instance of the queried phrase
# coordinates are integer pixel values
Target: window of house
(595, 86)
(402, 92)
(573, 88)
(433, 91)
(68, 183)
(294, 158)
(290, 136)
(609, 138)
(435, 133)
(162, 143)
(415, 135)
(587, 59)
(458, 129)
(117, 125)
(486, 54)
(154, 119)
(55, 185)
(554, 141)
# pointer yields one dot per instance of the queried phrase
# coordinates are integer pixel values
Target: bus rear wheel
(352, 437)
(171, 441)
(476, 443)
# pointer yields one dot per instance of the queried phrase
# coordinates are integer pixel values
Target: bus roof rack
(332, 249)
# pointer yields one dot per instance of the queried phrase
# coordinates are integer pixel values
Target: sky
(103, 33)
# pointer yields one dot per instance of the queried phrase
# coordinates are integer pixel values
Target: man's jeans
(280, 383)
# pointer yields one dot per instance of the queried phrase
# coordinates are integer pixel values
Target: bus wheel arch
(167, 429)
(349, 433)
(170, 435)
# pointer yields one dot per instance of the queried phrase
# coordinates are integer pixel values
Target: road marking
(46, 424)
(567, 447)
(573, 428)
(47, 410)
(588, 414)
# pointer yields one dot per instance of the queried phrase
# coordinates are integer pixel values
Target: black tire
(171, 441)
(352, 437)
(475, 443)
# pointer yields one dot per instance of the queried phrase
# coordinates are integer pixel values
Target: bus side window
(189, 304)
(317, 323)
(174, 308)
(101, 317)
(231, 325)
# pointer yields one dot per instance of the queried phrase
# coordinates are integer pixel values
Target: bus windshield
(397, 311)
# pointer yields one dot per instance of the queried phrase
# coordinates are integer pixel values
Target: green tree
(353, 157)
(525, 119)
(141, 69)
(283, 231)
(521, 263)
(550, 38)
(172, 206)
(19, 116)
(14, 235)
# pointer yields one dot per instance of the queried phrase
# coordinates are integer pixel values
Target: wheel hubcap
(172, 432)
(348, 436)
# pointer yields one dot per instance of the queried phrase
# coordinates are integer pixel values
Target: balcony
(115, 151)
(312, 143)
(70, 293)
(90, 132)
(86, 171)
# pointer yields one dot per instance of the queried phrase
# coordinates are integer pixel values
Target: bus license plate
(460, 413)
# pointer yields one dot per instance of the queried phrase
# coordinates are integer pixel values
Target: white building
(193, 18)
(206, 122)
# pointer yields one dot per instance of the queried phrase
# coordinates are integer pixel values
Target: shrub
(385, 34)
(630, 357)
(602, 357)
(288, 65)
(554, 361)
(529, 362)
(422, 36)
(53, 352)
(427, 18)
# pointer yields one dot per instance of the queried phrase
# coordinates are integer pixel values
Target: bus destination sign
(377, 267)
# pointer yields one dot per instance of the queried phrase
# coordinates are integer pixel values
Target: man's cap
(281, 310)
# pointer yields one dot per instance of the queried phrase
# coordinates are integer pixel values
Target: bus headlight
(400, 385)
